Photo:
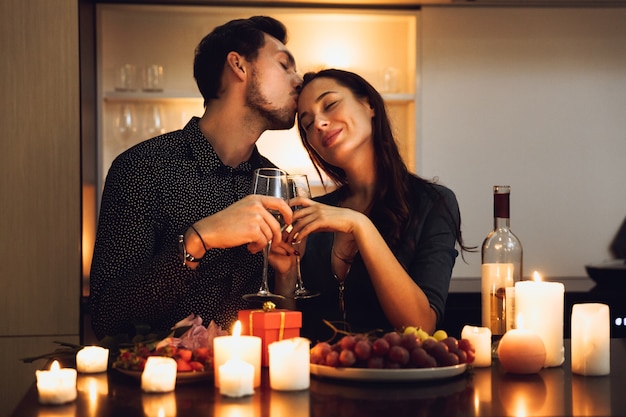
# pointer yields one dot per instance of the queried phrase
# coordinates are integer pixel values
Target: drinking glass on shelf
(271, 182)
(299, 187)
(153, 122)
(126, 124)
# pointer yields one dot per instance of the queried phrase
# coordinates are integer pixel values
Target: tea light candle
(480, 338)
(591, 328)
(92, 359)
(56, 386)
(521, 351)
(236, 378)
(246, 348)
(540, 306)
(290, 364)
(159, 374)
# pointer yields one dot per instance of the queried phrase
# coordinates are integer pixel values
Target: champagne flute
(271, 182)
(299, 187)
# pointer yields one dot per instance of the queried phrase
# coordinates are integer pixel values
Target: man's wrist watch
(186, 256)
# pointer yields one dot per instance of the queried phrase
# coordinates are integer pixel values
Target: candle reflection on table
(289, 403)
(94, 386)
(481, 381)
(522, 395)
(159, 405)
(591, 398)
(64, 410)
(249, 406)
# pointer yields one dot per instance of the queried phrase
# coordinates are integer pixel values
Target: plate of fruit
(410, 355)
(192, 351)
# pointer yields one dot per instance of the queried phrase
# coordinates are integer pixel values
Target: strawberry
(184, 354)
(196, 366)
(182, 365)
(201, 354)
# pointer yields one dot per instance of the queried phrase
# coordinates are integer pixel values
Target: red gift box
(270, 326)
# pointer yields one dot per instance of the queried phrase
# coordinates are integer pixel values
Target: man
(178, 231)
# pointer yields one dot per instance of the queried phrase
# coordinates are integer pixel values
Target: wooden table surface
(477, 392)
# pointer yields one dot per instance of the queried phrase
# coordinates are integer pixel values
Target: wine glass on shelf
(299, 187)
(271, 182)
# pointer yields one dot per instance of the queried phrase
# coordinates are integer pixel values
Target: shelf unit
(354, 39)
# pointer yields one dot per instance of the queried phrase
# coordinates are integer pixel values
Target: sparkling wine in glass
(299, 187)
(271, 182)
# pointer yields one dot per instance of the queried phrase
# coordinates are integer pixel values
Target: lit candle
(521, 351)
(540, 306)
(290, 364)
(236, 378)
(480, 338)
(56, 386)
(92, 359)
(246, 348)
(159, 374)
(591, 328)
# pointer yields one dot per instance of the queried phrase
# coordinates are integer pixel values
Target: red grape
(347, 358)
(380, 347)
(363, 349)
(399, 355)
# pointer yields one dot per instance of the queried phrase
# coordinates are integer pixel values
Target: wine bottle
(501, 258)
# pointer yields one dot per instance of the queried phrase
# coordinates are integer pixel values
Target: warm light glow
(537, 277)
(237, 328)
(519, 321)
(55, 367)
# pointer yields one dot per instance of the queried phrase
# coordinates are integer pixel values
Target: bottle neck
(501, 216)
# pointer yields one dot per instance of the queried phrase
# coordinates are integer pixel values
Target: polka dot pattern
(154, 192)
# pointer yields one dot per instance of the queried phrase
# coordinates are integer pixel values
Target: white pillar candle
(236, 378)
(591, 328)
(539, 306)
(290, 364)
(159, 374)
(56, 386)
(246, 348)
(92, 359)
(480, 338)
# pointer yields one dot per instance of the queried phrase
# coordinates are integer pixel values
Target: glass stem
(266, 253)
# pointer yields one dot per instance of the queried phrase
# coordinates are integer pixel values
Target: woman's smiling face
(335, 121)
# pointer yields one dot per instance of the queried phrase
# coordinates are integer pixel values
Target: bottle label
(495, 279)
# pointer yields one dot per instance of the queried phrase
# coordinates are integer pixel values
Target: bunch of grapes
(393, 350)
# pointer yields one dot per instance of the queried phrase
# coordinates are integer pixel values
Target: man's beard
(276, 118)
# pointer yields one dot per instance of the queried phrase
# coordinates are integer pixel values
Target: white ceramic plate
(181, 377)
(411, 374)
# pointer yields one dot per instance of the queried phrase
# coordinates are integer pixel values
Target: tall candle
(591, 328)
(480, 338)
(56, 386)
(236, 378)
(159, 374)
(540, 306)
(290, 364)
(246, 348)
(92, 359)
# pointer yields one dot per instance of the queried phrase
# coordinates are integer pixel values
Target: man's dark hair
(244, 36)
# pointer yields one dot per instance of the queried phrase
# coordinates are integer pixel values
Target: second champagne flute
(271, 182)
(299, 187)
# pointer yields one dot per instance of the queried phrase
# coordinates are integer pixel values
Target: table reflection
(289, 403)
(249, 406)
(65, 410)
(159, 404)
(591, 396)
(522, 395)
(93, 387)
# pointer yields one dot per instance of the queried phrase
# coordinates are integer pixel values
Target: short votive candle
(236, 378)
(92, 360)
(159, 374)
(480, 338)
(290, 364)
(57, 385)
(591, 343)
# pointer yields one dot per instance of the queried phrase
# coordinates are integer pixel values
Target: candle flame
(237, 329)
(536, 277)
(55, 367)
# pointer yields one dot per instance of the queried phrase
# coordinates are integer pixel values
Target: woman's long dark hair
(389, 209)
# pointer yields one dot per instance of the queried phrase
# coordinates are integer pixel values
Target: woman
(380, 248)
